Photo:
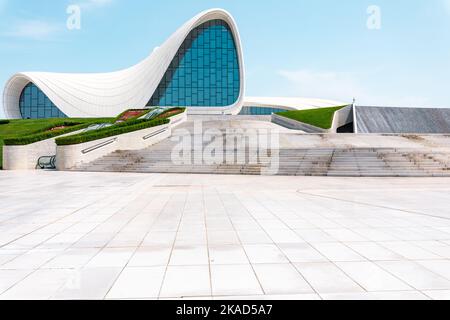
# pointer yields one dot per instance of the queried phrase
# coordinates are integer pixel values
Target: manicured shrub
(118, 129)
(4, 122)
(45, 133)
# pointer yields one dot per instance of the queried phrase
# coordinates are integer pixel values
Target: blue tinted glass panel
(259, 111)
(205, 71)
(34, 104)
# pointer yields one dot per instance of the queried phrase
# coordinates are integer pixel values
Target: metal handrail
(98, 146)
(154, 134)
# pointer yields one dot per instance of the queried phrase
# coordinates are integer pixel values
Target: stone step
(299, 173)
(297, 162)
(291, 165)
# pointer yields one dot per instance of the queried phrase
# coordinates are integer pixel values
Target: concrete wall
(72, 156)
(26, 157)
(402, 120)
(69, 157)
(341, 118)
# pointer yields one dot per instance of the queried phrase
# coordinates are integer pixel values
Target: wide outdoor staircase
(340, 162)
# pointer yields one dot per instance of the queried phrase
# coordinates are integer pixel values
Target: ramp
(402, 120)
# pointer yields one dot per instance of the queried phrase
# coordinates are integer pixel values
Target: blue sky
(320, 48)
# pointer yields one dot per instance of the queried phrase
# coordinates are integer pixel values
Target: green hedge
(121, 128)
(45, 133)
(4, 122)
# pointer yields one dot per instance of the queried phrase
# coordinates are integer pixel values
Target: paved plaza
(159, 236)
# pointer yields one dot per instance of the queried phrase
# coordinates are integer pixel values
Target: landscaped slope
(23, 128)
(120, 128)
(321, 118)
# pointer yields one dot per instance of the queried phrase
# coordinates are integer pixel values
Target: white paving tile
(302, 252)
(373, 251)
(5, 258)
(217, 225)
(415, 275)
(138, 283)
(8, 278)
(234, 280)
(371, 277)
(228, 254)
(265, 254)
(162, 238)
(111, 257)
(29, 241)
(192, 238)
(438, 248)
(72, 259)
(281, 279)
(87, 284)
(151, 256)
(284, 236)
(314, 235)
(440, 267)
(409, 250)
(438, 294)
(40, 285)
(190, 281)
(31, 260)
(287, 297)
(125, 240)
(335, 251)
(375, 234)
(345, 235)
(327, 278)
(189, 256)
(371, 296)
(254, 237)
(299, 224)
(218, 237)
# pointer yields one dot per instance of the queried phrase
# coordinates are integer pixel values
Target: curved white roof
(108, 94)
(291, 103)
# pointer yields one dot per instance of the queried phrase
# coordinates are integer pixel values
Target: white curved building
(201, 66)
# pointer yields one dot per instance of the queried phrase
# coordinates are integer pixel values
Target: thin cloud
(331, 85)
(33, 29)
(342, 86)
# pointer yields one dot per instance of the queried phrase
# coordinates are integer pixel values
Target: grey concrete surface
(402, 120)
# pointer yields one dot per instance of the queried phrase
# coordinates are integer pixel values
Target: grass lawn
(322, 118)
(20, 128)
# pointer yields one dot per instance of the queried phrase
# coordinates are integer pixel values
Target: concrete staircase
(339, 162)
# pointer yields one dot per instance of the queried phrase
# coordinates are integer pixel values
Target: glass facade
(34, 104)
(259, 111)
(205, 71)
